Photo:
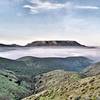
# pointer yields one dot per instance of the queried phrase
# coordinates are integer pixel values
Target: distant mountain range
(11, 45)
(47, 43)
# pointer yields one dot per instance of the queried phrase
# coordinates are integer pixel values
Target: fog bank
(14, 53)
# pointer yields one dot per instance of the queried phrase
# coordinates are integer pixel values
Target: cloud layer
(37, 6)
(40, 6)
(52, 52)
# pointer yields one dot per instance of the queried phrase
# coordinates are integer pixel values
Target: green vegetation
(31, 66)
(72, 88)
(42, 77)
(9, 89)
(48, 84)
(92, 70)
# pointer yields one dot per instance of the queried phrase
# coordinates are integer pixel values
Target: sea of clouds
(14, 53)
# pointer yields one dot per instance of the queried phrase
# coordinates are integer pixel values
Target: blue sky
(23, 21)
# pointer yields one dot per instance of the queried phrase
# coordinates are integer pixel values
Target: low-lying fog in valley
(14, 53)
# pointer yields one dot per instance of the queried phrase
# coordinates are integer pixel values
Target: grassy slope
(73, 88)
(9, 89)
(52, 80)
(92, 70)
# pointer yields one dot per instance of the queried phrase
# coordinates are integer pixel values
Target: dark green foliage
(31, 66)
(9, 89)
(19, 82)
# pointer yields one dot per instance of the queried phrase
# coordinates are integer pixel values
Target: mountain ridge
(9, 45)
(53, 43)
(31, 65)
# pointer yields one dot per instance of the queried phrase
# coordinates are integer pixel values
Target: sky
(23, 21)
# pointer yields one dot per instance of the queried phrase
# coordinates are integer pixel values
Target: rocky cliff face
(55, 43)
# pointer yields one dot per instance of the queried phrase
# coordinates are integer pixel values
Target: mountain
(12, 45)
(48, 64)
(55, 43)
(92, 70)
(49, 44)
(61, 85)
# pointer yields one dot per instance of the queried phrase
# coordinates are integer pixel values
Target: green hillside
(93, 69)
(31, 66)
(9, 88)
(30, 75)
(69, 86)
(48, 64)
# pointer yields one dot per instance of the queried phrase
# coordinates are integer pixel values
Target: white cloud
(88, 7)
(40, 6)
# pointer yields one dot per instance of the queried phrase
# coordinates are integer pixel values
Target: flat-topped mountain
(55, 43)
